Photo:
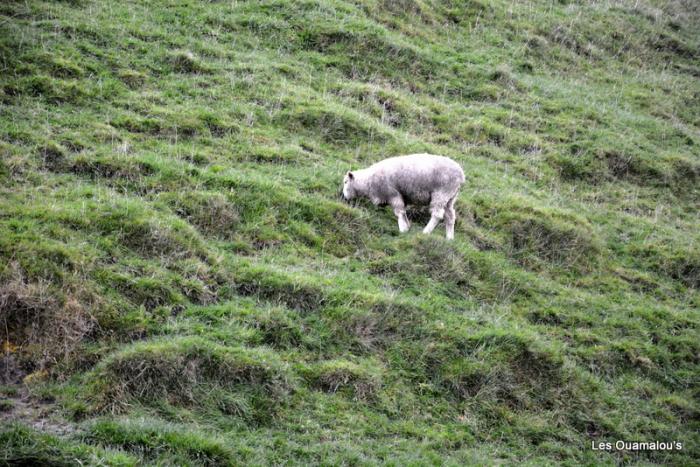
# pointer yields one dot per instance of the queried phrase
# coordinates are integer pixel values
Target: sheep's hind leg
(400, 212)
(450, 216)
(438, 203)
(436, 215)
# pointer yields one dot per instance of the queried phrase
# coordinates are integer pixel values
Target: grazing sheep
(418, 179)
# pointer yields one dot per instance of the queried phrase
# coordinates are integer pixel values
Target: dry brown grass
(39, 323)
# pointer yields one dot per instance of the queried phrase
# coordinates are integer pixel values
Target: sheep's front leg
(400, 212)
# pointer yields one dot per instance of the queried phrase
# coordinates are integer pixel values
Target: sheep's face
(349, 191)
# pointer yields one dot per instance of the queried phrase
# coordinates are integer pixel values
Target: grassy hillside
(180, 283)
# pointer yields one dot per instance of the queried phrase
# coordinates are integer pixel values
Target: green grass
(178, 273)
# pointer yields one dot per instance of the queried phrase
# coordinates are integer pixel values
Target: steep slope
(181, 283)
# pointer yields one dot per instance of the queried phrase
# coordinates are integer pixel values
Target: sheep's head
(349, 191)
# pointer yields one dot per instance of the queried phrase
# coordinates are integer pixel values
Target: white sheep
(416, 179)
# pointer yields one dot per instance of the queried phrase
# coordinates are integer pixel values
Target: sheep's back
(417, 176)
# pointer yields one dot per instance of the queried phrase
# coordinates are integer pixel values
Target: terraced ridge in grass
(181, 284)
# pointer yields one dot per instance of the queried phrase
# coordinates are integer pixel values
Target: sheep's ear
(351, 176)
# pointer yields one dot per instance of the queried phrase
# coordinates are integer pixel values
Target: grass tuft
(188, 371)
(534, 234)
(156, 440)
(361, 381)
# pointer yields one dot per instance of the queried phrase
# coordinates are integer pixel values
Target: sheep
(416, 179)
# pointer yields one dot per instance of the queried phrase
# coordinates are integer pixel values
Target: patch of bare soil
(36, 413)
(18, 404)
